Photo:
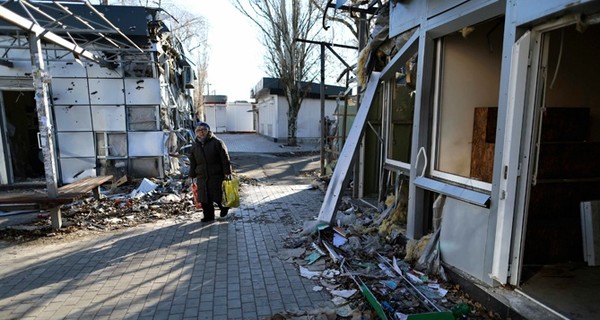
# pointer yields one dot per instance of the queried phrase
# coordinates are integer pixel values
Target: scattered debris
(393, 275)
(124, 204)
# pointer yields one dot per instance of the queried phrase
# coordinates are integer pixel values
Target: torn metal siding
(104, 110)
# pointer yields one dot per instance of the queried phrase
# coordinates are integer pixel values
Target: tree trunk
(292, 127)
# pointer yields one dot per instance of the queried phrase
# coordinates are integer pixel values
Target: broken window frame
(434, 162)
(156, 117)
(104, 146)
(389, 74)
(146, 59)
(392, 95)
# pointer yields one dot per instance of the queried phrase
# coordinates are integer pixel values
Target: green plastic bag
(231, 197)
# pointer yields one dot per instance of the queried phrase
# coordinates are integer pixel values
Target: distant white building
(224, 116)
(240, 117)
(272, 109)
(215, 112)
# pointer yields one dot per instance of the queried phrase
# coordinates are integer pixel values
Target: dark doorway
(22, 136)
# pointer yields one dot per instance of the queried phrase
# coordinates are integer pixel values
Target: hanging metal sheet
(346, 158)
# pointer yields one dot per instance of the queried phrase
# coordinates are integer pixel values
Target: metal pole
(362, 42)
(42, 103)
(323, 133)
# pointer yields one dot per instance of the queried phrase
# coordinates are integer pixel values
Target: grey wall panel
(72, 118)
(106, 91)
(96, 71)
(19, 69)
(142, 91)
(76, 144)
(108, 118)
(146, 144)
(527, 11)
(435, 7)
(74, 169)
(67, 69)
(405, 16)
(68, 91)
(463, 237)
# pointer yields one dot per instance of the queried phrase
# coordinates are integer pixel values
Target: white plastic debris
(338, 301)
(304, 272)
(114, 220)
(344, 293)
(145, 187)
(330, 273)
(317, 288)
(338, 240)
(171, 198)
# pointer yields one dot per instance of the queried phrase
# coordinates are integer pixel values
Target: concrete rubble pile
(372, 271)
(139, 201)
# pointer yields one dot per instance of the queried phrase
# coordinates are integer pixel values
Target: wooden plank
(66, 193)
(84, 185)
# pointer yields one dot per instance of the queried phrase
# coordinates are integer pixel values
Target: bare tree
(281, 23)
(192, 32)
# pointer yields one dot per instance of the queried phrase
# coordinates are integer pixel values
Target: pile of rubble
(130, 204)
(373, 272)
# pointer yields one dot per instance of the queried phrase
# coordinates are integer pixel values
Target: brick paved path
(175, 269)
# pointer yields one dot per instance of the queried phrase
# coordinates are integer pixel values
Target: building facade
(92, 94)
(491, 117)
(272, 109)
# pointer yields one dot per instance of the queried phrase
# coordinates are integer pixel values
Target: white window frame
(453, 178)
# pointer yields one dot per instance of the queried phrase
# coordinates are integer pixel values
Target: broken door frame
(531, 123)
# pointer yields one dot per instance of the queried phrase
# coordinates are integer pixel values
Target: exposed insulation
(415, 248)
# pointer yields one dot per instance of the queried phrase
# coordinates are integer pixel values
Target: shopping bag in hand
(195, 194)
(231, 197)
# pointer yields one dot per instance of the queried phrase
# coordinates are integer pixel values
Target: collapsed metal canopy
(80, 27)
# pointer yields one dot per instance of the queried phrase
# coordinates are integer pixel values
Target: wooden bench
(66, 194)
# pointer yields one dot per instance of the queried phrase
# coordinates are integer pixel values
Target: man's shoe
(224, 212)
(207, 219)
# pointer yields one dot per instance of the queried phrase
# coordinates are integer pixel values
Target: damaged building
(490, 113)
(90, 90)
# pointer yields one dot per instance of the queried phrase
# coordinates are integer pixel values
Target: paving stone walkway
(171, 269)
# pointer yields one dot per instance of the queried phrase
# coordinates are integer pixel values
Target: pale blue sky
(236, 55)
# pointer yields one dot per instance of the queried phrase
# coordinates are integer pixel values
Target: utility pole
(323, 134)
